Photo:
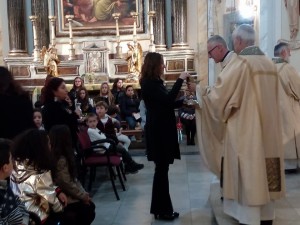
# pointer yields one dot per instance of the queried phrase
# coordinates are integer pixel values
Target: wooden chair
(109, 159)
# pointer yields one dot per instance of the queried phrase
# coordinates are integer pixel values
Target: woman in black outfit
(118, 91)
(16, 107)
(161, 133)
(56, 111)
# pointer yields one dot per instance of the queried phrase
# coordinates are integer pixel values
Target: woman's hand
(78, 112)
(184, 75)
(87, 199)
(63, 199)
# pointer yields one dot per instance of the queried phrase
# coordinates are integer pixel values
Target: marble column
(16, 27)
(159, 24)
(39, 8)
(179, 24)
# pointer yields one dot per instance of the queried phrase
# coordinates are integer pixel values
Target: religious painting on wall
(94, 17)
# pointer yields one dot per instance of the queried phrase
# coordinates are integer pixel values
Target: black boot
(188, 138)
(266, 222)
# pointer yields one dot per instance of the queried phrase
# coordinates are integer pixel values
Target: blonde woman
(105, 95)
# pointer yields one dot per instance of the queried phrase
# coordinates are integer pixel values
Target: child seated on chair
(12, 210)
(130, 108)
(113, 112)
(79, 201)
(188, 118)
(96, 134)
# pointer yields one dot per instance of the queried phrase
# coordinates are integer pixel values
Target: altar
(101, 54)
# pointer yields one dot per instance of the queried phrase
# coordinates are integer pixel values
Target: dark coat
(129, 105)
(16, 115)
(161, 132)
(56, 113)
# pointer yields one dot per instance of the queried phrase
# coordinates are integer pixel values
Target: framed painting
(94, 17)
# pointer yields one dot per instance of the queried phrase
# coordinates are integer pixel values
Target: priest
(290, 107)
(245, 98)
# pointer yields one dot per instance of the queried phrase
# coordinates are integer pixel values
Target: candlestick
(118, 48)
(152, 45)
(134, 15)
(36, 51)
(52, 35)
(71, 49)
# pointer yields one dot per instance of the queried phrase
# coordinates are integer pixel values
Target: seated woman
(118, 91)
(57, 111)
(105, 95)
(79, 201)
(78, 83)
(31, 179)
(130, 108)
(86, 103)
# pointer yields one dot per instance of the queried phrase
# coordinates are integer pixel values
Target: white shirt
(96, 135)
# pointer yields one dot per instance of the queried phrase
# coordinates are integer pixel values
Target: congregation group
(40, 151)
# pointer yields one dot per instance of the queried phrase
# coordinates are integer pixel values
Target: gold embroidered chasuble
(290, 108)
(245, 99)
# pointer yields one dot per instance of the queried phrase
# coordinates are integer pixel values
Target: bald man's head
(243, 36)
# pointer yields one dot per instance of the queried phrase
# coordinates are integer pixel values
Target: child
(105, 95)
(12, 210)
(86, 104)
(79, 201)
(38, 119)
(31, 179)
(130, 108)
(187, 116)
(113, 112)
(96, 134)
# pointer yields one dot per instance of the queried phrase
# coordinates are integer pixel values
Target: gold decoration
(134, 60)
(49, 56)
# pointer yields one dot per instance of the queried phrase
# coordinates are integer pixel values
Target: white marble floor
(190, 188)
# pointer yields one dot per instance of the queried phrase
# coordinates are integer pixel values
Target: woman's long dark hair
(114, 86)
(52, 86)
(33, 145)
(61, 145)
(151, 68)
(8, 85)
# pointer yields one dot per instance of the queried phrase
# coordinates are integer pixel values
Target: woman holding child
(161, 133)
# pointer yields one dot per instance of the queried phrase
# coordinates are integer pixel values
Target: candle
(70, 29)
(134, 15)
(117, 25)
(134, 27)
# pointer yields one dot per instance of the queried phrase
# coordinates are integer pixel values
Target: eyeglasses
(210, 51)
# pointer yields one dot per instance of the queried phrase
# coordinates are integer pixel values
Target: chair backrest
(84, 140)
